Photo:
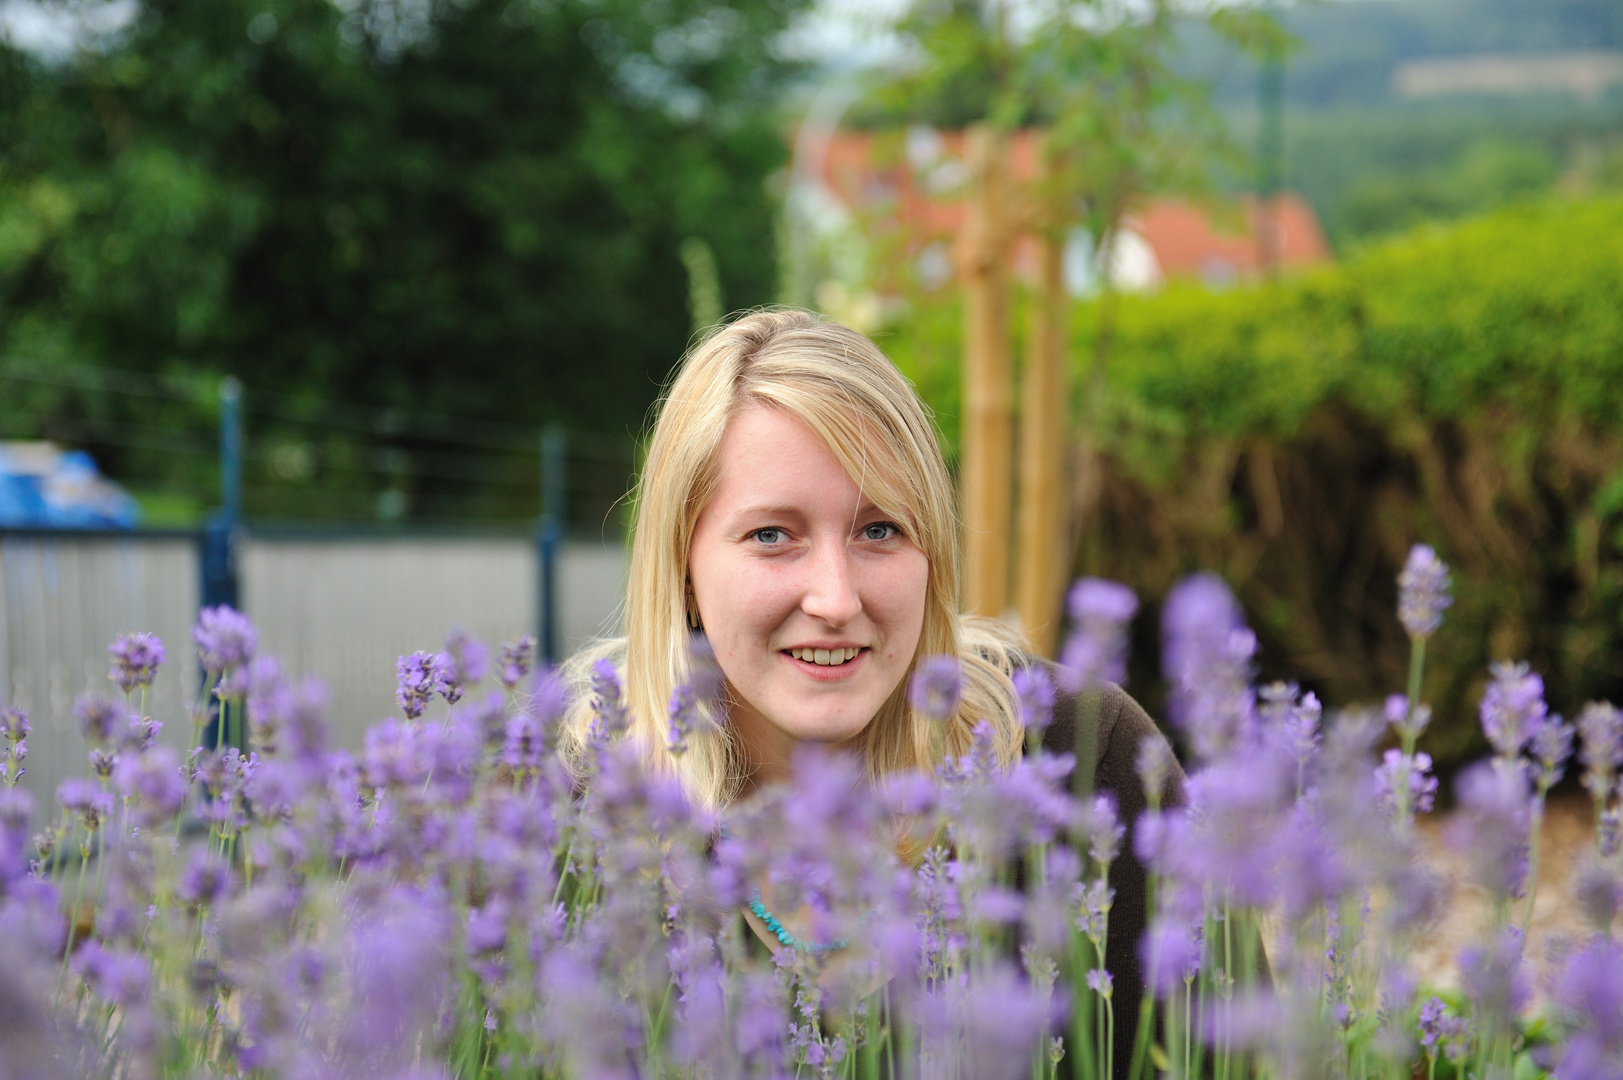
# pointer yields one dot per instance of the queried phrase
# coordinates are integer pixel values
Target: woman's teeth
(825, 657)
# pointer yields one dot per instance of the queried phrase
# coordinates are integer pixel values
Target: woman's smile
(812, 597)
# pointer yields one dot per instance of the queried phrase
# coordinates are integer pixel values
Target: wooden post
(1040, 562)
(988, 396)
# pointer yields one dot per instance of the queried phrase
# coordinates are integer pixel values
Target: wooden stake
(988, 397)
(1040, 565)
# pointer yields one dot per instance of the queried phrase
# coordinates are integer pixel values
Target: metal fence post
(219, 550)
(550, 537)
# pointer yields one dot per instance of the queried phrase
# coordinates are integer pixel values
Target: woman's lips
(827, 672)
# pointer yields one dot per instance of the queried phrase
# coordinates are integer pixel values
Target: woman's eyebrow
(764, 510)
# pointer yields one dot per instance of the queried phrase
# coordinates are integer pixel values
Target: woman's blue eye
(769, 536)
(880, 530)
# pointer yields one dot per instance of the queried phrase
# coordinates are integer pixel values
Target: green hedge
(1459, 386)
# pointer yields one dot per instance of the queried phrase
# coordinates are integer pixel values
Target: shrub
(1459, 384)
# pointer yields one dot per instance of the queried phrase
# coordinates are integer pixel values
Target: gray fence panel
(63, 599)
(341, 609)
(345, 610)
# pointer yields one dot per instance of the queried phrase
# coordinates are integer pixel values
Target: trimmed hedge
(1461, 386)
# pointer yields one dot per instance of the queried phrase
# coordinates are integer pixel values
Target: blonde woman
(796, 507)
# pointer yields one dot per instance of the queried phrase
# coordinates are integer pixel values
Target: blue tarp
(46, 487)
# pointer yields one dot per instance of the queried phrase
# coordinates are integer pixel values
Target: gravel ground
(1566, 839)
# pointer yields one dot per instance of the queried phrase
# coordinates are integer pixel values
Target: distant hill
(1352, 48)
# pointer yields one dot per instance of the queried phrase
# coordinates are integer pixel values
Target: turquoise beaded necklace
(783, 935)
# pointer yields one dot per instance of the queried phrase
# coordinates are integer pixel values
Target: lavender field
(453, 901)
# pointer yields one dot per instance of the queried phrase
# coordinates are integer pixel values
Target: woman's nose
(831, 589)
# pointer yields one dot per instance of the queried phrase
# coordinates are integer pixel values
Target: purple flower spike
(135, 660)
(225, 639)
(1590, 994)
(1494, 977)
(610, 719)
(1035, 692)
(414, 687)
(1397, 773)
(205, 880)
(1552, 746)
(87, 800)
(1153, 764)
(1431, 1025)
(1423, 592)
(1493, 828)
(936, 687)
(1600, 726)
(152, 782)
(1599, 894)
(101, 720)
(1207, 658)
(1096, 651)
(1513, 708)
(1170, 953)
(695, 703)
(518, 656)
(1105, 830)
(14, 725)
(463, 663)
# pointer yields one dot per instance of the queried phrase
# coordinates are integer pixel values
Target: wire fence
(313, 459)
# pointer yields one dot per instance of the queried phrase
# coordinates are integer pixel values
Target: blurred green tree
(465, 207)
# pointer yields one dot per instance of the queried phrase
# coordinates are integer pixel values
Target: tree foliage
(464, 207)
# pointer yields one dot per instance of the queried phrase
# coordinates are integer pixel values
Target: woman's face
(792, 569)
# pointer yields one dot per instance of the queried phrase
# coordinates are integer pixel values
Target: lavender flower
(518, 656)
(414, 683)
(1207, 658)
(152, 782)
(1599, 894)
(1170, 953)
(225, 639)
(1590, 994)
(1410, 775)
(1153, 763)
(1495, 978)
(1423, 592)
(1397, 714)
(1105, 830)
(1096, 651)
(14, 727)
(1099, 982)
(463, 663)
(936, 687)
(100, 718)
(694, 703)
(1600, 726)
(87, 800)
(1513, 708)
(1494, 825)
(1291, 724)
(987, 1026)
(206, 879)
(1431, 1026)
(135, 660)
(1551, 747)
(610, 719)
(1034, 691)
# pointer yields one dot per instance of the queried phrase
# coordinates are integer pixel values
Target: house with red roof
(906, 188)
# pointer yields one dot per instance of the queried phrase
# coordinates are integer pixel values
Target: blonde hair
(838, 383)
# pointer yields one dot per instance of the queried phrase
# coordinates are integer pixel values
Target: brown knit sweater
(1122, 726)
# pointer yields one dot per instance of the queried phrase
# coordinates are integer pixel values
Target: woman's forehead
(768, 452)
